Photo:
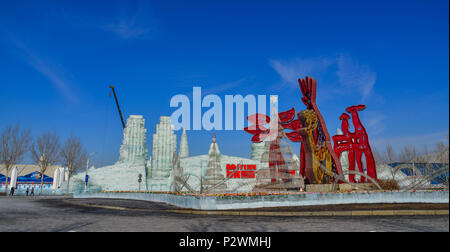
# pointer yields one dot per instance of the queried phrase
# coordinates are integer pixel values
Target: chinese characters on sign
(241, 171)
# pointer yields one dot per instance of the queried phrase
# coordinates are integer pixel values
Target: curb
(37, 196)
(285, 214)
(318, 213)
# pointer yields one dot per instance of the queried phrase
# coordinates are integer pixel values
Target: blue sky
(58, 58)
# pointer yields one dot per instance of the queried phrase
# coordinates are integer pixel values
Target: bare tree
(73, 156)
(377, 156)
(427, 161)
(390, 157)
(439, 159)
(425, 155)
(433, 167)
(45, 153)
(441, 152)
(389, 154)
(14, 143)
(408, 154)
(440, 146)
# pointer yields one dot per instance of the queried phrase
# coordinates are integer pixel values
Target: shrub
(388, 184)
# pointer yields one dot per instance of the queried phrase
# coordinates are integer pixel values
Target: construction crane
(117, 103)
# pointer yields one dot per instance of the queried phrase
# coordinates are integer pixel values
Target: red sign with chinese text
(241, 171)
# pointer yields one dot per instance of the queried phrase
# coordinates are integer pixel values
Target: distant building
(24, 176)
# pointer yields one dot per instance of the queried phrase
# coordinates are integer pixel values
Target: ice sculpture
(184, 147)
(214, 178)
(207, 173)
(56, 179)
(163, 147)
(14, 177)
(258, 150)
(123, 175)
(134, 144)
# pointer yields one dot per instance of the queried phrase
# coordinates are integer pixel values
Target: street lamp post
(87, 167)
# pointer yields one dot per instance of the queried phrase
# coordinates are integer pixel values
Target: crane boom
(118, 107)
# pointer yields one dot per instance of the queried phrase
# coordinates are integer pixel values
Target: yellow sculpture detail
(320, 153)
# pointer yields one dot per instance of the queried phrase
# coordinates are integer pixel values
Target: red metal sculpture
(279, 170)
(309, 128)
(286, 121)
(322, 139)
(356, 143)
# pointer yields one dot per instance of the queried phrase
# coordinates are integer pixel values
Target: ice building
(164, 146)
(123, 175)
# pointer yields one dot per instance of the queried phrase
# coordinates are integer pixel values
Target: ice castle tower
(123, 175)
(134, 144)
(164, 146)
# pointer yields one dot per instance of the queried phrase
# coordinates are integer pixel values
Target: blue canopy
(34, 177)
(2, 179)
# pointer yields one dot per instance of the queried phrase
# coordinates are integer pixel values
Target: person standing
(32, 191)
(27, 191)
(11, 193)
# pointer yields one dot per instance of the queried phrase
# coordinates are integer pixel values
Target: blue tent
(2, 179)
(34, 177)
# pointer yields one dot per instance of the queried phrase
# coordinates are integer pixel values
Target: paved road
(59, 215)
